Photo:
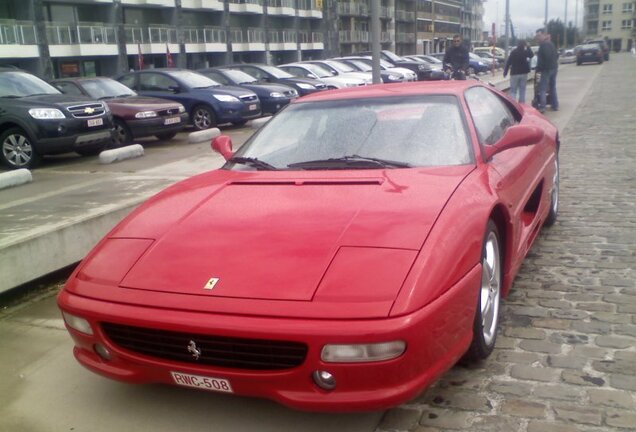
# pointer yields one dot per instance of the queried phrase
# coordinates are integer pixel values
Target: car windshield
(340, 67)
(239, 76)
(364, 67)
(194, 79)
(317, 70)
(393, 57)
(411, 131)
(589, 47)
(432, 59)
(22, 84)
(105, 88)
(276, 72)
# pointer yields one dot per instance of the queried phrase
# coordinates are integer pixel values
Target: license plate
(202, 382)
(95, 122)
(172, 120)
(252, 107)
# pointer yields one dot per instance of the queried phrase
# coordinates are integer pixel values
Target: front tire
(203, 118)
(17, 150)
(487, 314)
(122, 135)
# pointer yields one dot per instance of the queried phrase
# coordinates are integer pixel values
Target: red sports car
(354, 249)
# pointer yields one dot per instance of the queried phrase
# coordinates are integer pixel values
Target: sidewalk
(54, 221)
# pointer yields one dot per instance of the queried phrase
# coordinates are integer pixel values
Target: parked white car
(309, 70)
(338, 68)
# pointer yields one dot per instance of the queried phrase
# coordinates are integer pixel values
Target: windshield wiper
(39, 94)
(11, 97)
(256, 163)
(348, 162)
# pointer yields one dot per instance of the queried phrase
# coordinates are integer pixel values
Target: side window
(218, 78)
(296, 71)
(156, 82)
(68, 88)
(490, 114)
(128, 81)
(252, 71)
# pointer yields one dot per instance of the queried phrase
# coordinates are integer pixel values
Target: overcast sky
(528, 15)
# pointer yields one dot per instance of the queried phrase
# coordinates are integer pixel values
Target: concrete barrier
(122, 153)
(203, 135)
(15, 178)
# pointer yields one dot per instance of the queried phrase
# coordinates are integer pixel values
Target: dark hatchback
(207, 102)
(133, 116)
(272, 74)
(273, 97)
(36, 119)
(589, 53)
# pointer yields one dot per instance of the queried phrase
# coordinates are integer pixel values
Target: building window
(628, 7)
(626, 24)
(607, 8)
(606, 26)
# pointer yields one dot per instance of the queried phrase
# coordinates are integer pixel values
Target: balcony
(82, 39)
(160, 3)
(214, 5)
(205, 39)
(353, 9)
(405, 38)
(283, 40)
(385, 12)
(246, 6)
(404, 16)
(353, 36)
(281, 7)
(311, 41)
(18, 39)
(309, 9)
(251, 39)
(386, 37)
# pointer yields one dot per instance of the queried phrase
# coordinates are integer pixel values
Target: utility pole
(375, 40)
(433, 23)
(565, 27)
(545, 21)
(507, 43)
(576, 21)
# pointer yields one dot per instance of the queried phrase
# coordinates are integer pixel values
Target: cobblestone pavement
(565, 359)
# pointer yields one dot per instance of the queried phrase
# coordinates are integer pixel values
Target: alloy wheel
(490, 288)
(17, 150)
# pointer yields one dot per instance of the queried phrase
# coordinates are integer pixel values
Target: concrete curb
(122, 153)
(15, 178)
(204, 135)
(257, 123)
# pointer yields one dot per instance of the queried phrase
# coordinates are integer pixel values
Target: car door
(69, 88)
(163, 86)
(521, 170)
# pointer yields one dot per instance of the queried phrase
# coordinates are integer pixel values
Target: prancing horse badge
(211, 283)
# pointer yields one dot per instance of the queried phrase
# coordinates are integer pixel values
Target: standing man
(519, 67)
(457, 56)
(547, 63)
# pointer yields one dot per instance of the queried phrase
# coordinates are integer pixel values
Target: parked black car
(273, 97)
(133, 116)
(36, 119)
(272, 74)
(602, 44)
(588, 53)
(208, 103)
(424, 71)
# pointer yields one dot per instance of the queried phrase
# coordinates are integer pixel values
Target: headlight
(481, 64)
(393, 78)
(362, 352)
(77, 323)
(306, 86)
(106, 108)
(421, 67)
(276, 95)
(46, 113)
(226, 98)
(351, 84)
(181, 109)
(145, 114)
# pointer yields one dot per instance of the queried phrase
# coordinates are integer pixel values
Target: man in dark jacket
(547, 64)
(519, 67)
(457, 56)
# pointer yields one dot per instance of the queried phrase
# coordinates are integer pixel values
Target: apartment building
(612, 20)
(60, 38)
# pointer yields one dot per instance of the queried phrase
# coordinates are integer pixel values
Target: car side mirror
(174, 89)
(515, 136)
(223, 145)
(312, 76)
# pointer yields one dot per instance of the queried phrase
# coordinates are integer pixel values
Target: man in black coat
(457, 56)
(519, 67)
(547, 64)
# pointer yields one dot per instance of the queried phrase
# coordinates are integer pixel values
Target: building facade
(60, 38)
(612, 20)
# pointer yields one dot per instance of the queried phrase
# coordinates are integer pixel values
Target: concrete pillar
(45, 66)
(229, 56)
(330, 28)
(122, 52)
(177, 22)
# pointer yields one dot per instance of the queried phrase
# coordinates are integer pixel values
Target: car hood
(225, 90)
(55, 100)
(142, 103)
(266, 89)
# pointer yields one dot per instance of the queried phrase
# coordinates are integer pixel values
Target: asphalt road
(43, 389)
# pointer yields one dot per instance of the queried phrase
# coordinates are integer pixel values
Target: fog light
(102, 351)
(77, 323)
(362, 352)
(61, 129)
(324, 380)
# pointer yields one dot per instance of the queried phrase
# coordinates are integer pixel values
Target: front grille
(168, 112)
(87, 110)
(238, 353)
(249, 98)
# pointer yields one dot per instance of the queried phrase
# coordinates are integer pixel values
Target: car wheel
(487, 314)
(91, 150)
(122, 135)
(203, 118)
(166, 135)
(554, 196)
(17, 150)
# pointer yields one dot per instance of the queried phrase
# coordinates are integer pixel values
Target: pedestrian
(547, 64)
(519, 67)
(457, 57)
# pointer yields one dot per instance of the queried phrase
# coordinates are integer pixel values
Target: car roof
(455, 88)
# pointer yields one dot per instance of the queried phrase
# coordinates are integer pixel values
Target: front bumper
(157, 125)
(273, 105)
(436, 336)
(238, 112)
(63, 136)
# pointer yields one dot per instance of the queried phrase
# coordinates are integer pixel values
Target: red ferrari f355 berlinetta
(354, 249)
